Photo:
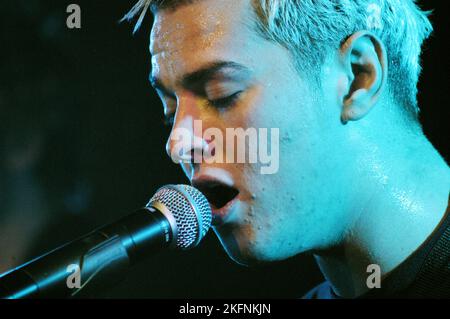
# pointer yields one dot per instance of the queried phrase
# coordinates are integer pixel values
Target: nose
(186, 144)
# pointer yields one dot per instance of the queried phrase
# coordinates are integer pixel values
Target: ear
(363, 58)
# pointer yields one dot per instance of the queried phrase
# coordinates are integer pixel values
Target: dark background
(82, 137)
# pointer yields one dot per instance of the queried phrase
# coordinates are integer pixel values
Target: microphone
(177, 216)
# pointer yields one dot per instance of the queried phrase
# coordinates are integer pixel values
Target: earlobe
(357, 106)
(364, 60)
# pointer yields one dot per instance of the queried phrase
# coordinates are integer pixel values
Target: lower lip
(219, 216)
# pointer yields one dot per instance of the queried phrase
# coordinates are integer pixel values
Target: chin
(243, 251)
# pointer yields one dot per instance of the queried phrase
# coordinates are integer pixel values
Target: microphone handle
(100, 258)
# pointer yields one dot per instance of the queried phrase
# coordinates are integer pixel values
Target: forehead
(184, 38)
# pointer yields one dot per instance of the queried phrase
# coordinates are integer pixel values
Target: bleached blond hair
(309, 28)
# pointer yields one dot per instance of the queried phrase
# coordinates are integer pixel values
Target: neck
(404, 199)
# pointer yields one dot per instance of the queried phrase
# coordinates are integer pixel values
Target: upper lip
(217, 191)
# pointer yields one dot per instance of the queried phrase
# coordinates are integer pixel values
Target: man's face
(209, 64)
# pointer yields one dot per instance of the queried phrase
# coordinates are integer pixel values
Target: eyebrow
(202, 75)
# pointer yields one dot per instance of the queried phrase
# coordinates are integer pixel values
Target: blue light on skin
(356, 185)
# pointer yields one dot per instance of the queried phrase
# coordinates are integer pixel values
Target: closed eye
(225, 102)
(221, 103)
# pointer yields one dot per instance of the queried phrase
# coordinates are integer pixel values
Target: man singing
(358, 185)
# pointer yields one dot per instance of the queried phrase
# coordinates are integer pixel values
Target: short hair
(309, 28)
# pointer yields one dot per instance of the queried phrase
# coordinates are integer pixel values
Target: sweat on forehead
(156, 5)
(211, 19)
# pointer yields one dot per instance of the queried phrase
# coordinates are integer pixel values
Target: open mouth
(218, 194)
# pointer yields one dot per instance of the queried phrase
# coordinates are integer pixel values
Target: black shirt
(424, 274)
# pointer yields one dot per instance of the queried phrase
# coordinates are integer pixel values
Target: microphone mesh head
(190, 209)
